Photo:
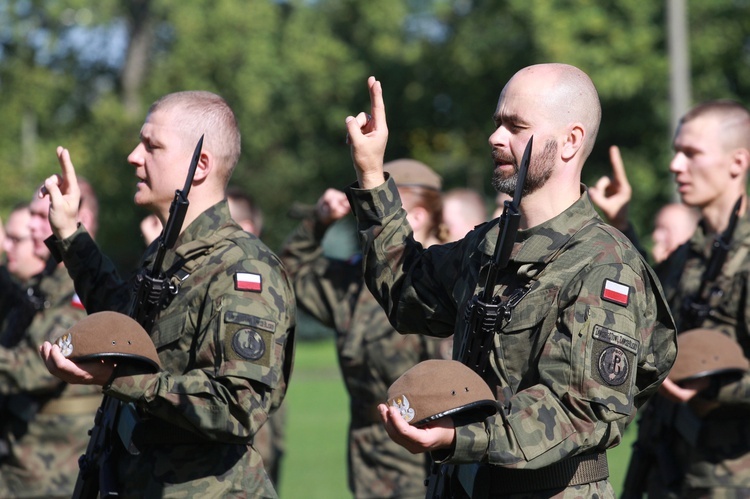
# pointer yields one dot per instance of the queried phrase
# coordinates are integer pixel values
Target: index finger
(66, 165)
(377, 105)
(618, 167)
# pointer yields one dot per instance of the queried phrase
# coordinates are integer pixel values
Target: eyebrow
(509, 118)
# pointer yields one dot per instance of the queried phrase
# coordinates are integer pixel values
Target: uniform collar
(539, 244)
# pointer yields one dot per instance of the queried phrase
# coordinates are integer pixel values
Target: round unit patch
(613, 366)
(248, 344)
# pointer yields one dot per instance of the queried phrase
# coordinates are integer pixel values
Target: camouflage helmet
(706, 352)
(436, 388)
(413, 173)
(110, 335)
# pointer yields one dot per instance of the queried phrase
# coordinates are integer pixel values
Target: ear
(573, 141)
(204, 167)
(740, 162)
(417, 217)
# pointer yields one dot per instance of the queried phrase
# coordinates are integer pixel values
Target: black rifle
(661, 417)
(696, 309)
(96, 476)
(484, 313)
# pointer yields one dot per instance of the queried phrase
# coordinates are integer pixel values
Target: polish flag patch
(616, 292)
(246, 281)
(76, 302)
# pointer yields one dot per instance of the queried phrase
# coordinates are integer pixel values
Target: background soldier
(371, 354)
(463, 209)
(225, 340)
(683, 450)
(44, 422)
(591, 337)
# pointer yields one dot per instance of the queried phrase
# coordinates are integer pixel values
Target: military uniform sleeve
(322, 285)
(599, 361)
(96, 279)
(226, 349)
(413, 285)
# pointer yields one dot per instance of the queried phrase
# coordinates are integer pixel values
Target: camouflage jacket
(720, 457)
(372, 355)
(589, 343)
(45, 422)
(225, 342)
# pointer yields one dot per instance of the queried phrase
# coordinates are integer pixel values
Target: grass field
(314, 466)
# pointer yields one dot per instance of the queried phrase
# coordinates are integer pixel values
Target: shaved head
(732, 118)
(569, 97)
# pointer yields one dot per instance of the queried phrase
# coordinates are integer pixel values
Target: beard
(539, 172)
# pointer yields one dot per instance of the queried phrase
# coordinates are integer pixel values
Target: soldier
(684, 451)
(586, 340)
(224, 336)
(371, 354)
(673, 226)
(44, 422)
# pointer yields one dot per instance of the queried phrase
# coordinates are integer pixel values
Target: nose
(499, 138)
(677, 164)
(135, 157)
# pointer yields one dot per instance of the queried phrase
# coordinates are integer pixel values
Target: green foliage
(293, 70)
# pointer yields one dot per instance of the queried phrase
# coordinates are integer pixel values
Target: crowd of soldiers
(582, 344)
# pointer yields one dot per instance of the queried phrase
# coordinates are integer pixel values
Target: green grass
(317, 419)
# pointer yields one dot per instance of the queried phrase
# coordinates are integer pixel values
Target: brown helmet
(413, 173)
(706, 352)
(109, 335)
(436, 388)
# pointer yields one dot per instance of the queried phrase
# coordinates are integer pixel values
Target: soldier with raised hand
(224, 335)
(44, 422)
(371, 354)
(684, 450)
(591, 337)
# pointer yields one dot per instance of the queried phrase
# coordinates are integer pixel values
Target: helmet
(109, 335)
(706, 352)
(413, 173)
(436, 388)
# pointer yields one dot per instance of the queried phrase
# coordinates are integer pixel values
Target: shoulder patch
(616, 292)
(615, 355)
(248, 281)
(76, 302)
(248, 344)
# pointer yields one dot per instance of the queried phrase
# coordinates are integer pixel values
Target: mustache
(503, 157)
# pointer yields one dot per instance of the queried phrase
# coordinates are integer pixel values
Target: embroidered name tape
(616, 292)
(246, 281)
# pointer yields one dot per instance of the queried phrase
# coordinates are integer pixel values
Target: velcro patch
(247, 343)
(614, 356)
(248, 281)
(616, 292)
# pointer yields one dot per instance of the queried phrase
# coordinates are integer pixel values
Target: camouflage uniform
(226, 347)
(44, 421)
(569, 368)
(372, 355)
(713, 458)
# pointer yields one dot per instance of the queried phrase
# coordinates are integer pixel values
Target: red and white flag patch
(616, 292)
(76, 302)
(246, 281)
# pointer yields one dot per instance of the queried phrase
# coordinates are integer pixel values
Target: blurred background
(82, 73)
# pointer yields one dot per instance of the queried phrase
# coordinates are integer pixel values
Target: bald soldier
(588, 337)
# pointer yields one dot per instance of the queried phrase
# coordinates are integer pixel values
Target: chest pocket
(168, 330)
(605, 358)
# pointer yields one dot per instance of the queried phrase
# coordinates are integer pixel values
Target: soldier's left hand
(440, 435)
(97, 372)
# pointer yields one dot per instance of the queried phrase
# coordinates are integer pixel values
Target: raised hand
(612, 195)
(332, 205)
(368, 135)
(64, 195)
